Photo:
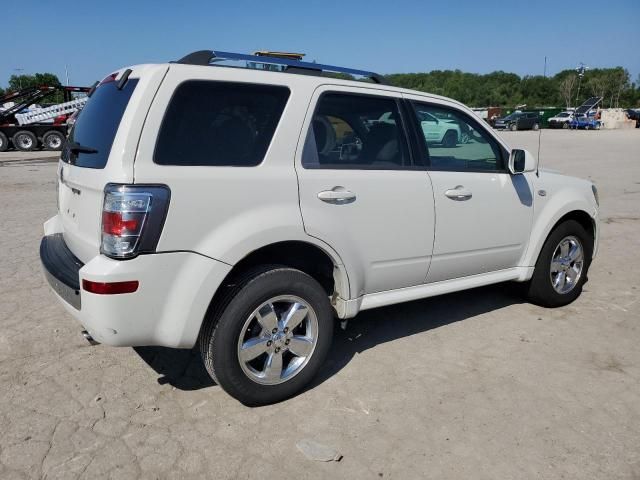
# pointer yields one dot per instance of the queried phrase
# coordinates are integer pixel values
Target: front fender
(549, 210)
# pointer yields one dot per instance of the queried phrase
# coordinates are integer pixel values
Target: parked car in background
(212, 206)
(519, 121)
(633, 114)
(561, 120)
(585, 122)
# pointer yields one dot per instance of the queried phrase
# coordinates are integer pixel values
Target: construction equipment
(26, 130)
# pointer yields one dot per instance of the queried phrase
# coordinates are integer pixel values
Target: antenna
(540, 129)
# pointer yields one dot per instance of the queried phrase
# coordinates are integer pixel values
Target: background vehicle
(212, 205)
(27, 129)
(585, 121)
(634, 115)
(561, 120)
(519, 121)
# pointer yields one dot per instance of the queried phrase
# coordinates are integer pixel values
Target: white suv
(246, 208)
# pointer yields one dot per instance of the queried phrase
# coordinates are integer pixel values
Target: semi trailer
(28, 129)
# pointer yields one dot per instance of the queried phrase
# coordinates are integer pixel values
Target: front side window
(211, 123)
(455, 141)
(351, 131)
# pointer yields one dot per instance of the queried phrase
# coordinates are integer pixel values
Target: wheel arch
(320, 263)
(545, 226)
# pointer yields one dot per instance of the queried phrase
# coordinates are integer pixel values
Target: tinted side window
(356, 132)
(219, 124)
(98, 123)
(455, 141)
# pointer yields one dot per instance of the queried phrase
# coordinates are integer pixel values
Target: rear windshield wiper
(77, 148)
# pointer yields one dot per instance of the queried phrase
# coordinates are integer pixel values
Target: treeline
(502, 89)
(17, 82)
(496, 89)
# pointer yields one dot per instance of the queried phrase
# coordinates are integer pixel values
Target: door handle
(459, 193)
(337, 196)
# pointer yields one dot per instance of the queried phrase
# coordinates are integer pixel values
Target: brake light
(132, 219)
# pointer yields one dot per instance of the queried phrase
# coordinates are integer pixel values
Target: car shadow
(183, 368)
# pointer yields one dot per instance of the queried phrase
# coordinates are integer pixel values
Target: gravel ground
(475, 384)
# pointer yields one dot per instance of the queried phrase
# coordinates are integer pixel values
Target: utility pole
(66, 72)
(581, 69)
(19, 70)
(545, 66)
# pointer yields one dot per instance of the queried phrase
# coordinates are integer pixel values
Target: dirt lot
(469, 385)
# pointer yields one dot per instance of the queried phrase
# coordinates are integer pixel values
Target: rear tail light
(132, 219)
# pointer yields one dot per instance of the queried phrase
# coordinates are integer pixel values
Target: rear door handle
(337, 196)
(459, 193)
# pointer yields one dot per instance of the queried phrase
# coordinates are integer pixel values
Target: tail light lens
(132, 219)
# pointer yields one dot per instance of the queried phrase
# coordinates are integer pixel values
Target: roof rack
(206, 57)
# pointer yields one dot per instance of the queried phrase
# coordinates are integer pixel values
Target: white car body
(401, 240)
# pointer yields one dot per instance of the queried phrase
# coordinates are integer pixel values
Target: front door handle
(337, 196)
(459, 193)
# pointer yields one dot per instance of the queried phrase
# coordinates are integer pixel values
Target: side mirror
(521, 161)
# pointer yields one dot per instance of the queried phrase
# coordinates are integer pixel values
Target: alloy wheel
(277, 340)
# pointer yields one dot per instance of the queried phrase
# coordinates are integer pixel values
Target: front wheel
(514, 127)
(4, 142)
(536, 126)
(561, 269)
(268, 336)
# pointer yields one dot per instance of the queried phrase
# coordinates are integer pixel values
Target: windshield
(97, 124)
(513, 116)
(563, 115)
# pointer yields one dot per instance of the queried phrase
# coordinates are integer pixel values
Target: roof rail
(206, 57)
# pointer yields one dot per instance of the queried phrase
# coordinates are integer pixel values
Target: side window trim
(423, 143)
(405, 121)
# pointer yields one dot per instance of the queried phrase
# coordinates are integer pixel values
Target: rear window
(211, 123)
(97, 125)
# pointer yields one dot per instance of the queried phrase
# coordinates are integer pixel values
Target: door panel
(486, 232)
(483, 214)
(358, 192)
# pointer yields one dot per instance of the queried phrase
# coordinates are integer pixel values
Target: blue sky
(94, 38)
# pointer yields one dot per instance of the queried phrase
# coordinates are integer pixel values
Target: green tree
(17, 82)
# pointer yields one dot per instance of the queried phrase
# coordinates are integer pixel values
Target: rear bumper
(61, 269)
(175, 290)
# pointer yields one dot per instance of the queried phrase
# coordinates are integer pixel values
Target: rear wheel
(25, 141)
(53, 140)
(536, 126)
(450, 139)
(4, 142)
(561, 269)
(565, 125)
(268, 335)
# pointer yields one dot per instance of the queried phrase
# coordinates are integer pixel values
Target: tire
(53, 140)
(4, 142)
(450, 139)
(536, 126)
(25, 141)
(514, 127)
(565, 125)
(233, 323)
(587, 127)
(541, 289)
